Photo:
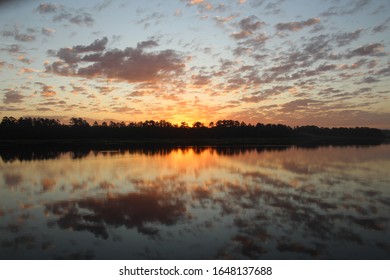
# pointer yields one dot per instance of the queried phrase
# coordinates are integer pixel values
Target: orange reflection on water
(279, 202)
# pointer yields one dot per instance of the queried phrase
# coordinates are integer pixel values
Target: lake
(196, 203)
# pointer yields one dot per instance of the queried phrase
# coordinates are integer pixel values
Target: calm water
(285, 203)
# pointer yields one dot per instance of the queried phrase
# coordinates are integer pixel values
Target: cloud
(79, 19)
(299, 104)
(47, 31)
(13, 48)
(257, 3)
(12, 96)
(78, 89)
(384, 71)
(12, 180)
(381, 27)
(202, 5)
(130, 65)
(141, 211)
(201, 80)
(298, 248)
(251, 23)
(147, 44)
(45, 8)
(48, 184)
(297, 25)
(320, 69)
(27, 70)
(370, 80)
(343, 39)
(153, 18)
(46, 91)
(24, 59)
(61, 13)
(14, 32)
(247, 27)
(96, 46)
(222, 20)
(374, 49)
(103, 5)
(105, 89)
(348, 9)
(241, 35)
(252, 99)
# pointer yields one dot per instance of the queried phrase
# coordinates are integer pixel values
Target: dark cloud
(266, 93)
(251, 23)
(297, 25)
(374, 49)
(12, 96)
(103, 5)
(105, 89)
(132, 210)
(13, 48)
(299, 104)
(320, 69)
(274, 7)
(343, 39)
(249, 247)
(46, 91)
(147, 44)
(381, 27)
(79, 19)
(257, 3)
(154, 18)
(12, 180)
(130, 65)
(201, 80)
(97, 46)
(247, 27)
(377, 224)
(47, 31)
(298, 248)
(252, 99)
(370, 80)
(45, 8)
(241, 35)
(61, 13)
(384, 71)
(14, 32)
(350, 8)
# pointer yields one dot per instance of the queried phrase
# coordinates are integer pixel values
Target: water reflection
(196, 203)
(131, 210)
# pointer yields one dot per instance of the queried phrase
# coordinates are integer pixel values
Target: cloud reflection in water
(330, 202)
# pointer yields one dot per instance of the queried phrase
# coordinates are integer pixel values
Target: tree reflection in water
(182, 203)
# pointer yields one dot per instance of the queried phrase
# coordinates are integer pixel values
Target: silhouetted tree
(197, 125)
(79, 122)
(44, 128)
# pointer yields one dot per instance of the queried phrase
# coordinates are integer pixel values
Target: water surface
(196, 203)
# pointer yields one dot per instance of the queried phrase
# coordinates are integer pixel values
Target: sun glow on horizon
(197, 61)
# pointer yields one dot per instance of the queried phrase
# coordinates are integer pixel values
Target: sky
(303, 62)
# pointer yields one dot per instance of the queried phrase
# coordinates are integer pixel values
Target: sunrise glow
(323, 63)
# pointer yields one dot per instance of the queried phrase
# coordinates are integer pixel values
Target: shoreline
(188, 142)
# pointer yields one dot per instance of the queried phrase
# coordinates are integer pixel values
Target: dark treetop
(29, 129)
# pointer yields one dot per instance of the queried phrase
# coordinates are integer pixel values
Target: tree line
(79, 128)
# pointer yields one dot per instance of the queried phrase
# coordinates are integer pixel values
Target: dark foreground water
(192, 203)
